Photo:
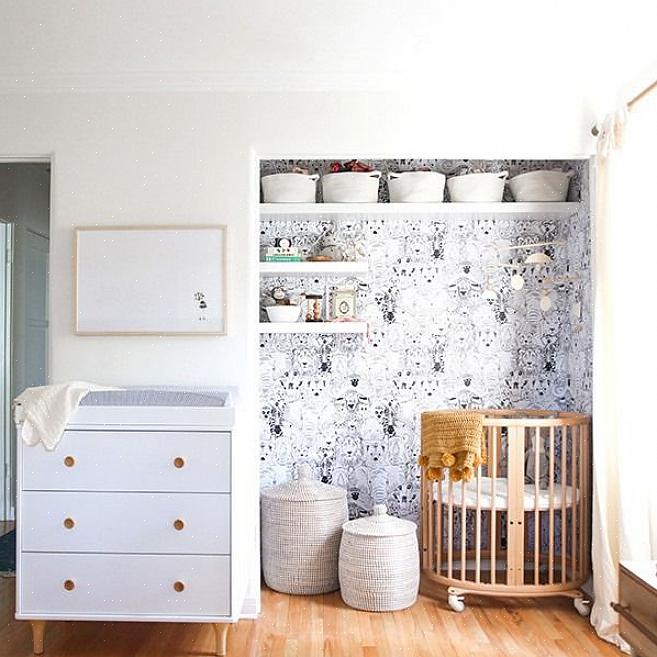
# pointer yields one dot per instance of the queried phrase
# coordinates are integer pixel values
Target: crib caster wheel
(456, 602)
(582, 606)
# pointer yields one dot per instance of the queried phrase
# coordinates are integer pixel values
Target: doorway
(24, 267)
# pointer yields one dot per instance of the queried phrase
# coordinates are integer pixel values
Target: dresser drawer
(123, 585)
(638, 608)
(175, 523)
(131, 461)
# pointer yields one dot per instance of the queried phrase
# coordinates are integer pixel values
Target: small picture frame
(344, 303)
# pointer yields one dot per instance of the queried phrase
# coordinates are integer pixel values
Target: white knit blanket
(42, 413)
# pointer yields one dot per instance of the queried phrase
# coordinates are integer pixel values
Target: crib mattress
(530, 500)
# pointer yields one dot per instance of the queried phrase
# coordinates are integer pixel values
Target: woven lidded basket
(379, 562)
(301, 529)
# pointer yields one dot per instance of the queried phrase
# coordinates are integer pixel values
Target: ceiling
(578, 48)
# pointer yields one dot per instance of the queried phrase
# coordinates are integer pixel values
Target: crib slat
(537, 512)
(573, 501)
(425, 519)
(580, 505)
(551, 512)
(492, 450)
(478, 530)
(585, 493)
(464, 528)
(564, 477)
(439, 527)
(429, 520)
(450, 528)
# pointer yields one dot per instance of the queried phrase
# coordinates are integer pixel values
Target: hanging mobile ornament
(546, 301)
(517, 282)
(489, 293)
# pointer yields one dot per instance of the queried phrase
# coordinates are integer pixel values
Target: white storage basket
(289, 188)
(301, 529)
(535, 186)
(477, 187)
(416, 187)
(379, 562)
(351, 187)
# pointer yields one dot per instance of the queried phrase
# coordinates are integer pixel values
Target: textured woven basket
(301, 529)
(379, 562)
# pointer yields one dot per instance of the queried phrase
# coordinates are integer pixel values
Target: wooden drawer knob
(179, 524)
(178, 587)
(69, 461)
(69, 523)
(179, 462)
(69, 584)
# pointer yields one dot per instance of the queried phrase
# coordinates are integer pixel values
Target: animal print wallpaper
(349, 405)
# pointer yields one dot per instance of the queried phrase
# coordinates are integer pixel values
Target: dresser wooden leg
(220, 632)
(38, 630)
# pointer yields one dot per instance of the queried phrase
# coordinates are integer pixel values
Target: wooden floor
(323, 625)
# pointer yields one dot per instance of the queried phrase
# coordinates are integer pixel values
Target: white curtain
(625, 348)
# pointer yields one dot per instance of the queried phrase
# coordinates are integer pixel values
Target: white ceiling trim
(189, 81)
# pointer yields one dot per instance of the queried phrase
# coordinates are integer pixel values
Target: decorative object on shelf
(279, 313)
(145, 280)
(283, 242)
(477, 187)
(319, 258)
(344, 303)
(329, 247)
(351, 182)
(295, 187)
(313, 307)
(301, 530)
(283, 254)
(541, 186)
(379, 564)
(279, 295)
(283, 309)
(355, 166)
(416, 187)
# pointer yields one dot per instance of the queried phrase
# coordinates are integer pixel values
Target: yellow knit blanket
(455, 440)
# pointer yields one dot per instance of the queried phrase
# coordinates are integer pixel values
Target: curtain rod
(632, 102)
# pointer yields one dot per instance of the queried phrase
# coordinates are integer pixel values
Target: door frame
(8, 476)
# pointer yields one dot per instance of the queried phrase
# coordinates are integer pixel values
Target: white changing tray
(154, 407)
(502, 494)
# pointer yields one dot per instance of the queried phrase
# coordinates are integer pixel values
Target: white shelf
(315, 268)
(320, 209)
(313, 327)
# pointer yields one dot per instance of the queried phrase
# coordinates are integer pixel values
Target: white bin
(536, 186)
(289, 188)
(301, 529)
(379, 562)
(477, 187)
(416, 187)
(351, 187)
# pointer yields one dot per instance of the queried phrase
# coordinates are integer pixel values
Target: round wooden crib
(520, 527)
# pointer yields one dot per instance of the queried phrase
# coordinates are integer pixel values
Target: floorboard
(322, 626)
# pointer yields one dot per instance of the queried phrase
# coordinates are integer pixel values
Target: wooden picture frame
(150, 280)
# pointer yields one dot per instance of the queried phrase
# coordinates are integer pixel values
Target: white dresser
(130, 517)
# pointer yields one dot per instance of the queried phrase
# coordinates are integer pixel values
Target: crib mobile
(520, 527)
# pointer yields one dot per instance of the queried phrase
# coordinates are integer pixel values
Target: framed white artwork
(150, 280)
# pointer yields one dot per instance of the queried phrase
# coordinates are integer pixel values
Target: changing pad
(502, 493)
(157, 397)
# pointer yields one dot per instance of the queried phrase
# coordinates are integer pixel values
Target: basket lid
(379, 524)
(304, 489)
